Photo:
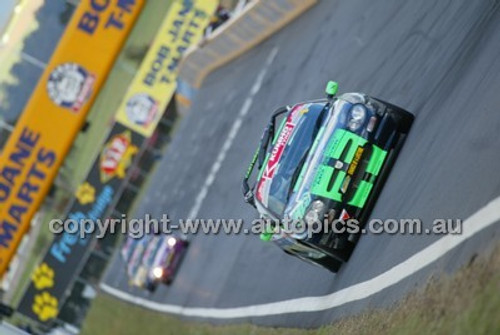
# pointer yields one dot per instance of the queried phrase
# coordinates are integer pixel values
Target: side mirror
(249, 197)
(266, 237)
(263, 144)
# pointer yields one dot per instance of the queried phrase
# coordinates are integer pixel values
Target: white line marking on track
(193, 213)
(484, 218)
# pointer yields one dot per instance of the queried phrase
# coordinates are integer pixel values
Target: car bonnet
(302, 197)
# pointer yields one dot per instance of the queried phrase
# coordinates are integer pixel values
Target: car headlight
(171, 242)
(357, 117)
(158, 272)
(311, 217)
(318, 206)
(315, 211)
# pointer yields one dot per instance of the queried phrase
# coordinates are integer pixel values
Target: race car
(164, 260)
(153, 260)
(321, 167)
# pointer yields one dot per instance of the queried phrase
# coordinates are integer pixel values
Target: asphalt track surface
(438, 59)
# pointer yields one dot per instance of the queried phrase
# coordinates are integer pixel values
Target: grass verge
(464, 303)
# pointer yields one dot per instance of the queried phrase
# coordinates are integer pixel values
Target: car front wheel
(329, 263)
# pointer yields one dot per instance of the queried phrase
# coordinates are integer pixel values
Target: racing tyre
(330, 263)
(405, 120)
(151, 287)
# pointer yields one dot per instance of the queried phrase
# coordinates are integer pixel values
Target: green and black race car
(321, 166)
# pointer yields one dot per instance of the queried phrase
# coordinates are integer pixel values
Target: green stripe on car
(261, 172)
(335, 148)
(376, 160)
(362, 194)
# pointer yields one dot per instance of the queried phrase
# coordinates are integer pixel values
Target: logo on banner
(43, 277)
(85, 193)
(117, 156)
(141, 109)
(45, 306)
(70, 86)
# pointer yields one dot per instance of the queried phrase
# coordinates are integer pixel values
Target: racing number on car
(340, 152)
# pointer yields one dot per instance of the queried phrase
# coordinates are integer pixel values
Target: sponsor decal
(344, 215)
(355, 161)
(45, 306)
(117, 157)
(278, 150)
(262, 189)
(300, 209)
(141, 109)
(274, 159)
(275, 156)
(70, 86)
(43, 277)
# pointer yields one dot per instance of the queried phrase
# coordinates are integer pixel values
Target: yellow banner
(56, 112)
(155, 83)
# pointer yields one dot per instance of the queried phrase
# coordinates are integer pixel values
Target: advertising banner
(138, 115)
(156, 81)
(56, 112)
(53, 276)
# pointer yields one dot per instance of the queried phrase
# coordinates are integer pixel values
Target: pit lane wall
(258, 21)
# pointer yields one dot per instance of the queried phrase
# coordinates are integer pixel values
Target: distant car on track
(153, 260)
(324, 164)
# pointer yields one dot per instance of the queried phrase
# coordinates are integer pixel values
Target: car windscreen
(293, 155)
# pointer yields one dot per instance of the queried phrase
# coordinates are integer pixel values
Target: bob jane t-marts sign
(56, 112)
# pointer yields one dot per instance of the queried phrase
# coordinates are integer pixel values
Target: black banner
(52, 279)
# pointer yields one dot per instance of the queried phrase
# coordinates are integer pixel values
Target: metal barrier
(258, 21)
